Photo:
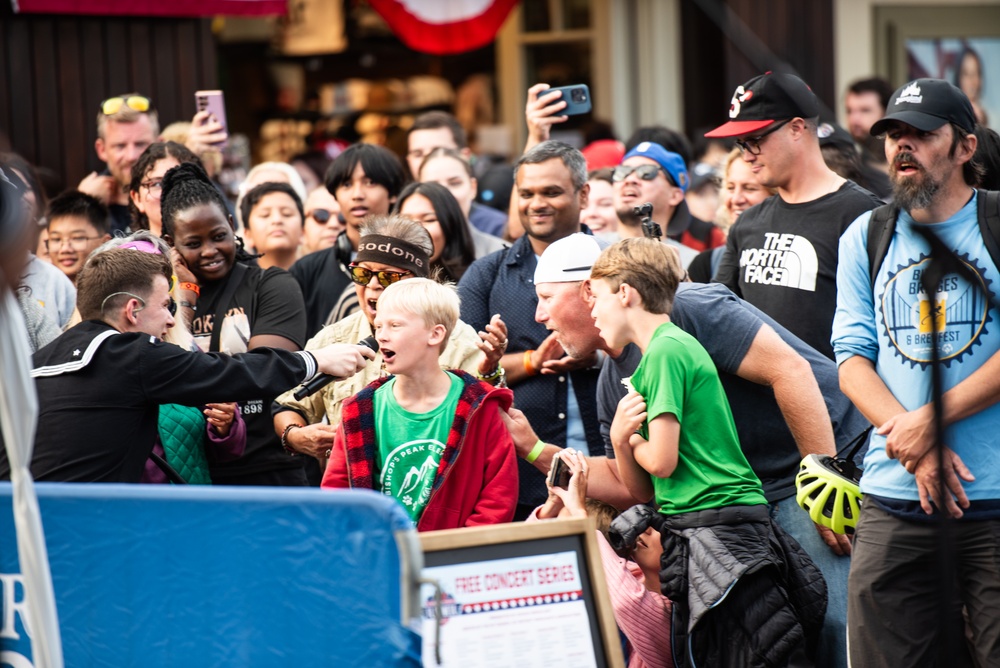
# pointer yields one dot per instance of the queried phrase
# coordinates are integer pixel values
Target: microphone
(321, 380)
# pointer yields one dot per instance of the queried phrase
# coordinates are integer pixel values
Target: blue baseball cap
(671, 163)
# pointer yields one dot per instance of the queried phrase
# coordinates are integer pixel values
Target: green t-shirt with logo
(409, 446)
(677, 376)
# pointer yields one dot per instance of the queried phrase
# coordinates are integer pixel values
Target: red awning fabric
(153, 7)
(443, 27)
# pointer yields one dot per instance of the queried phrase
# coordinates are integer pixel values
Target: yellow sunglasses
(113, 105)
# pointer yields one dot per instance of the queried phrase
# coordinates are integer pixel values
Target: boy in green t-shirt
(432, 439)
(673, 434)
(675, 441)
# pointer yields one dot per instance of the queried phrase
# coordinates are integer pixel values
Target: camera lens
(579, 96)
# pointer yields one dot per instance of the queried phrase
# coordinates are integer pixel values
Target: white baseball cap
(568, 260)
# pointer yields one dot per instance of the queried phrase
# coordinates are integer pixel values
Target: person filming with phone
(126, 125)
(633, 573)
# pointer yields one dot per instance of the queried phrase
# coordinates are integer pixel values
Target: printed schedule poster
(523, 611)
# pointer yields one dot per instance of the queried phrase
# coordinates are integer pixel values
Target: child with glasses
(430, 438)
(391, 249)
(77, 225)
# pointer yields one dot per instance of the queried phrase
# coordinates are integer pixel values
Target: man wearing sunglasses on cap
(126, 125)
(781, 255)
(651, 173)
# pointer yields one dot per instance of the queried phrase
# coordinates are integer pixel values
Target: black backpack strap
(989, 222)
(168, 470)
(880, 228)
(235, 278)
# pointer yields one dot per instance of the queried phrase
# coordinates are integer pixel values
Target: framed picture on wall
(972, 64)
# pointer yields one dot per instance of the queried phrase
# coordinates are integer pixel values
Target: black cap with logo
(927, 104)
(765, 99)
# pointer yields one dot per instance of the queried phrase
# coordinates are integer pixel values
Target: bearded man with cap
(883, 338)
(781, 255)
(651, 173)
(391, 248)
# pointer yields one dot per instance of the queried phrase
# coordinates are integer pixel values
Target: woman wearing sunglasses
(391, 248)
(233, 306)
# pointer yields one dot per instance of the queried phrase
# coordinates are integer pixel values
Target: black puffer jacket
(745, 592)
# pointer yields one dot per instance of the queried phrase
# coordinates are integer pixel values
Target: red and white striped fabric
(444, 27)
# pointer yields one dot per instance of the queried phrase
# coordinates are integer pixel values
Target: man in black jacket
(100, 384)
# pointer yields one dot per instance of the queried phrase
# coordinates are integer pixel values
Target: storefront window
(555, 15)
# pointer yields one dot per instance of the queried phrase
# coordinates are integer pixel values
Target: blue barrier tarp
(149, 575)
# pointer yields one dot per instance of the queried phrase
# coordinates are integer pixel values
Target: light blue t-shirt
(892, 327)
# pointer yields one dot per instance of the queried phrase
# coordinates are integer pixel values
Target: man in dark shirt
(100, 384)
(557, 392)
(781, 255)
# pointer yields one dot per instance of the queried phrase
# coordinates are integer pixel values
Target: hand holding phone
(576, 97)
(213, 103)
(559, 473)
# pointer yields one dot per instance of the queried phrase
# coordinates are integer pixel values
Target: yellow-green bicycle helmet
(827, 488)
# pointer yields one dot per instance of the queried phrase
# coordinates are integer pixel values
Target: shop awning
(153, 7)
(443, 27)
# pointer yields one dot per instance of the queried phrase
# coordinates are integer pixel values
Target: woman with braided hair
(233, 306)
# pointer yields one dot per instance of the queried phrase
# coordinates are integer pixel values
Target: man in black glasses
(782, 254)
(651, 173)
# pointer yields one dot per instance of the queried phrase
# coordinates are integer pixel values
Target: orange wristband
(529, 368)
(193, 287)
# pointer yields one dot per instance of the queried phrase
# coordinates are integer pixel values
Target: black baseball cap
(765, 99)
(927, 104)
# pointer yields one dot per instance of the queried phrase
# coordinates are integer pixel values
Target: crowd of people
(778, 299)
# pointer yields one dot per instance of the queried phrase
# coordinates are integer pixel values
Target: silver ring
(328, 453)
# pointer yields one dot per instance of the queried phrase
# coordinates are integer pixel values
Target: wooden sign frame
(474, 544)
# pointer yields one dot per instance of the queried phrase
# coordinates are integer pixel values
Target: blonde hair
(652, 268)
(127, 115)
(436, 303)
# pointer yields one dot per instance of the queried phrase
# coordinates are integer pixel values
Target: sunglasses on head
(322, 216)
(363, 276)
(113, 105)
(644, 172)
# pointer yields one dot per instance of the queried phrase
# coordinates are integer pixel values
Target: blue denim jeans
(789, 516)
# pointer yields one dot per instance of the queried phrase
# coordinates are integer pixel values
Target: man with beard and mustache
(883, 336)
(781, 255)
